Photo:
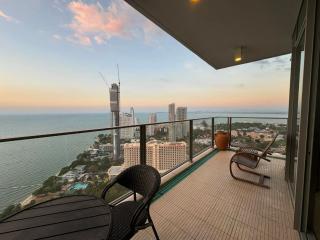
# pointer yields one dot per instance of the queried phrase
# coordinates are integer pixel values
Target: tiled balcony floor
(210, 204)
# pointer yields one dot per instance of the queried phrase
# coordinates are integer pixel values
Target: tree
(52, 184)
(204, 124)
(93, 168)
(11, 209)
(64, 170)
(104, 138)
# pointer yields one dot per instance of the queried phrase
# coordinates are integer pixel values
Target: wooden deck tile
(210, 204)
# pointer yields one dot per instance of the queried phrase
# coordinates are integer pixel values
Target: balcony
(209, 204)
(198, 198)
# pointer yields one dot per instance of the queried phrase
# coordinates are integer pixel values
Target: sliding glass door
(299, 67)
(303, 153)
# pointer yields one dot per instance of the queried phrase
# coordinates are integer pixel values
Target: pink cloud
(80, 39)
(93, 23)
(7, 17)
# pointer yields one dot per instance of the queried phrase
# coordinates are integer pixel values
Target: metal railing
(198, 137)
(143, 135)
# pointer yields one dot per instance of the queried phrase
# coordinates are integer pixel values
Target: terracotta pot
(221, 139)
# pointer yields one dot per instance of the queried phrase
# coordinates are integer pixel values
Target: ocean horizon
(23, 124)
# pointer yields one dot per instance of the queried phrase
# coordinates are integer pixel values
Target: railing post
(190, 140)
(143, 145)
(212, 129)
(229, 129)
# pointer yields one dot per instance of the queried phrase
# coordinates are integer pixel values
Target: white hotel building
(160, 155)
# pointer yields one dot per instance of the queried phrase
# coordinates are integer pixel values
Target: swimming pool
(78, 186)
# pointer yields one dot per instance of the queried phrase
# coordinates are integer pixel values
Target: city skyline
(59, 57)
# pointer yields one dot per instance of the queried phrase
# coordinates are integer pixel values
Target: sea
(24, 165)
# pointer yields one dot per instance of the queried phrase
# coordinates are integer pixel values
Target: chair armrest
(109, 185)
(266, 159)
(268, 151)
(246, 149)
(257, 155)
(253, 155)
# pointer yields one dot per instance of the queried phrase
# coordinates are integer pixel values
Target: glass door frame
(313, 172)
(298, 37)
(302, 190)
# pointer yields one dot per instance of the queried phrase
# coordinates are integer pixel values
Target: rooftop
(115, 170)
(209, 204)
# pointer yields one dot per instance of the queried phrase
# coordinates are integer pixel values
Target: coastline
(27, 200)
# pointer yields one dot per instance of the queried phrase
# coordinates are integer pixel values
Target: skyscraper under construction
(115, 109)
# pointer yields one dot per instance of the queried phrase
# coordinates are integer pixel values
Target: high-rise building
(181, 113)
(114, 93)
(151, 119)
(133, 119)
(165, 155)
(131, 154)
(160, 155)
(181, 128)
(172, 112)
(127, 119)
(171, 118)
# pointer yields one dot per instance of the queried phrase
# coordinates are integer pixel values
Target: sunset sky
(53, 50)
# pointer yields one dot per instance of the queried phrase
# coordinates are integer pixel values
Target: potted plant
(221, 139)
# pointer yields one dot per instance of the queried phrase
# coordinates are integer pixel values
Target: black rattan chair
(131, 216)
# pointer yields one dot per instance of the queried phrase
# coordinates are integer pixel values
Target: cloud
(57, 36)
(278, 63)
(151, 31)
(58, 5)
(188, 66)
(92, 23)
(80, 39)
(99, 40)
(7, 17)
(280, 60)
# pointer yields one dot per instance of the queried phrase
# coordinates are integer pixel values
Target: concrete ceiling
(213, 29)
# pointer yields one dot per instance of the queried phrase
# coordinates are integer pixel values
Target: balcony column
(229, 129)
(143, 145)
(190, 140)
(212, 132)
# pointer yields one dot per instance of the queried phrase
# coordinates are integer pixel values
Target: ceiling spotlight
(238, 54)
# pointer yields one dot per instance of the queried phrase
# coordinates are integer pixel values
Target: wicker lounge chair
(250, 158)
(131, 216)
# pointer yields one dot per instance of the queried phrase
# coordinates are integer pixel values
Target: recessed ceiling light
(194, 1)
